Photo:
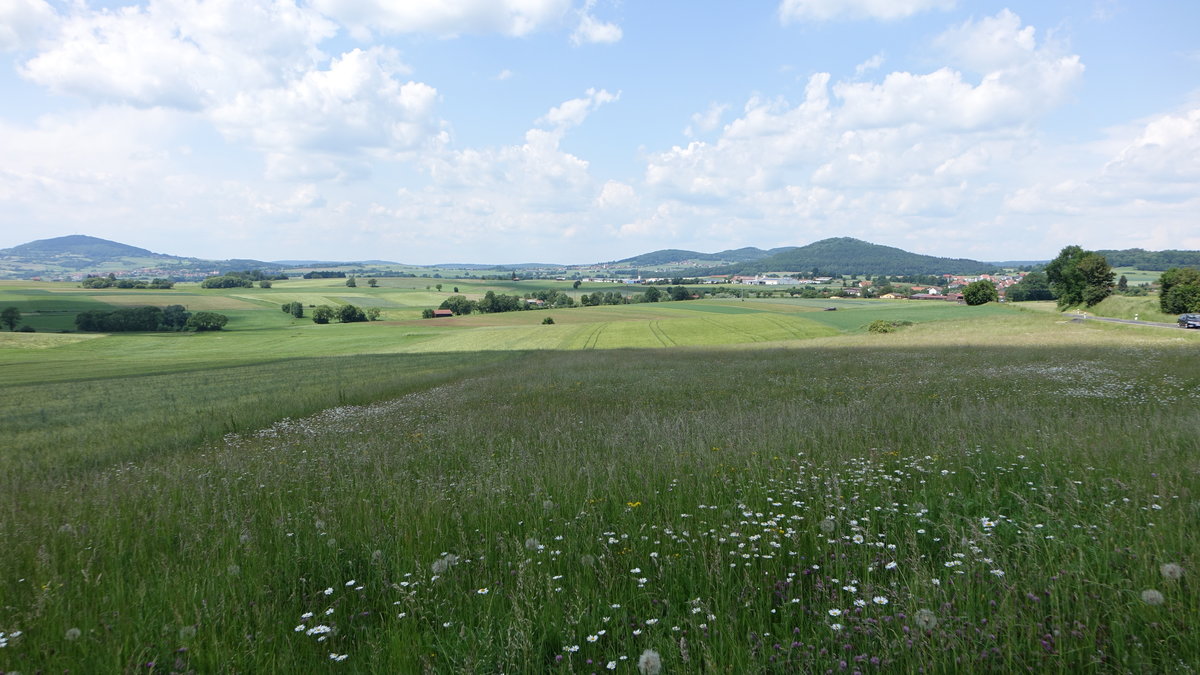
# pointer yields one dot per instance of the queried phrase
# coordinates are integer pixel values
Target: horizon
(301, 262)
(593, 129)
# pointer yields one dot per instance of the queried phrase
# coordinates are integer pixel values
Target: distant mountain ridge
(671, 256)
(76, 255)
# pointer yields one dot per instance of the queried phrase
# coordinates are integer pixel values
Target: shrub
(202, 321)
(882, 326)
(548, 321)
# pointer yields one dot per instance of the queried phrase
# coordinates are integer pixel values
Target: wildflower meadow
(880, 506)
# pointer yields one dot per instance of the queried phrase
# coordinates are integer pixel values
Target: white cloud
(990, 44)
(572, 112)
(824, 10)
(592, 30)
(24, 22)
(505, 74)
(1020, 81)
(1166, 150)
(706, 121)
(903, 152)
(869, 65)
(616, 195)
(445, 17)
(534, 188)
(356, 107)
(1151, 179)
(179, 53)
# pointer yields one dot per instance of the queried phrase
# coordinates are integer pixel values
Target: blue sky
(571, 131)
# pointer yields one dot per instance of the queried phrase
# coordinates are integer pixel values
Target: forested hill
(79, 245)
(79, 254)
(845, 255)
(1151, 260)
(671, 256)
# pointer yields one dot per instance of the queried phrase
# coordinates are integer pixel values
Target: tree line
(148, 319)
(243, 279)
(324, 314)
(111, 281)
(1078, 277)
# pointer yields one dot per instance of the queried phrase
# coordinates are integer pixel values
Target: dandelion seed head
(649, 663)
(1152, 597)
(925, 619)
(1171, 571)
(73, 634)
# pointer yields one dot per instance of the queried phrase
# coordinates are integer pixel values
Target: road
(1078, 317)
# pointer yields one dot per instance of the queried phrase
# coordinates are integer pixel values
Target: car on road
(1189, 320)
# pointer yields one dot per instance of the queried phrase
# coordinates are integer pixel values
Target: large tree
(1180, 290)
(1034, 286)
(11, 316)
(322, 314)
(1079, 277)
(350, 314)
(980, 292)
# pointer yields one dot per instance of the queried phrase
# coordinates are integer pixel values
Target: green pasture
(1006, 492)
(1135, 276)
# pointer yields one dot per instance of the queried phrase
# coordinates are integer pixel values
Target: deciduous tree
(322, 314)
(1179, 285)
(202, 321)
(11, 316)
(1079, 277)
(980, 292)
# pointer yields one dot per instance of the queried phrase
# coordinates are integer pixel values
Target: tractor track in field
(661, 335)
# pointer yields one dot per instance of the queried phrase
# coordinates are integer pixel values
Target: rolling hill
(845, 255)
(76, 255)
(672, 256)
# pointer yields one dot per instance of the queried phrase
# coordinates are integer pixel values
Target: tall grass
(874, 508)
(56, 429)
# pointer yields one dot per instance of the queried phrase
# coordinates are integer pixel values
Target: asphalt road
(1077, 317)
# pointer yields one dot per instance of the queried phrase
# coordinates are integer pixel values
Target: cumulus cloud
(1020, 81)
(1166, 149)
(447, 18)
(824, 10)
(179, 53)
(534, 188)
(572, 112)
(592, 30)
(869, 65)
(901, 151)
(706, 121)
(24, 22)
(355, 107)
(537, 172)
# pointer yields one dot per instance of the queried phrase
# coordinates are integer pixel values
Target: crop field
(752, 486)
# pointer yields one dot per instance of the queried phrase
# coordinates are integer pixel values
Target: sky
(578, 131)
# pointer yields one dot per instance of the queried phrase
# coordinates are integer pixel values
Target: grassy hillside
(992, 489)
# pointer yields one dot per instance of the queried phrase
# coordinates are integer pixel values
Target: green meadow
(739, 486)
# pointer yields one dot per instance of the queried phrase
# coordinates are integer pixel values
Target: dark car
(1189, 320)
